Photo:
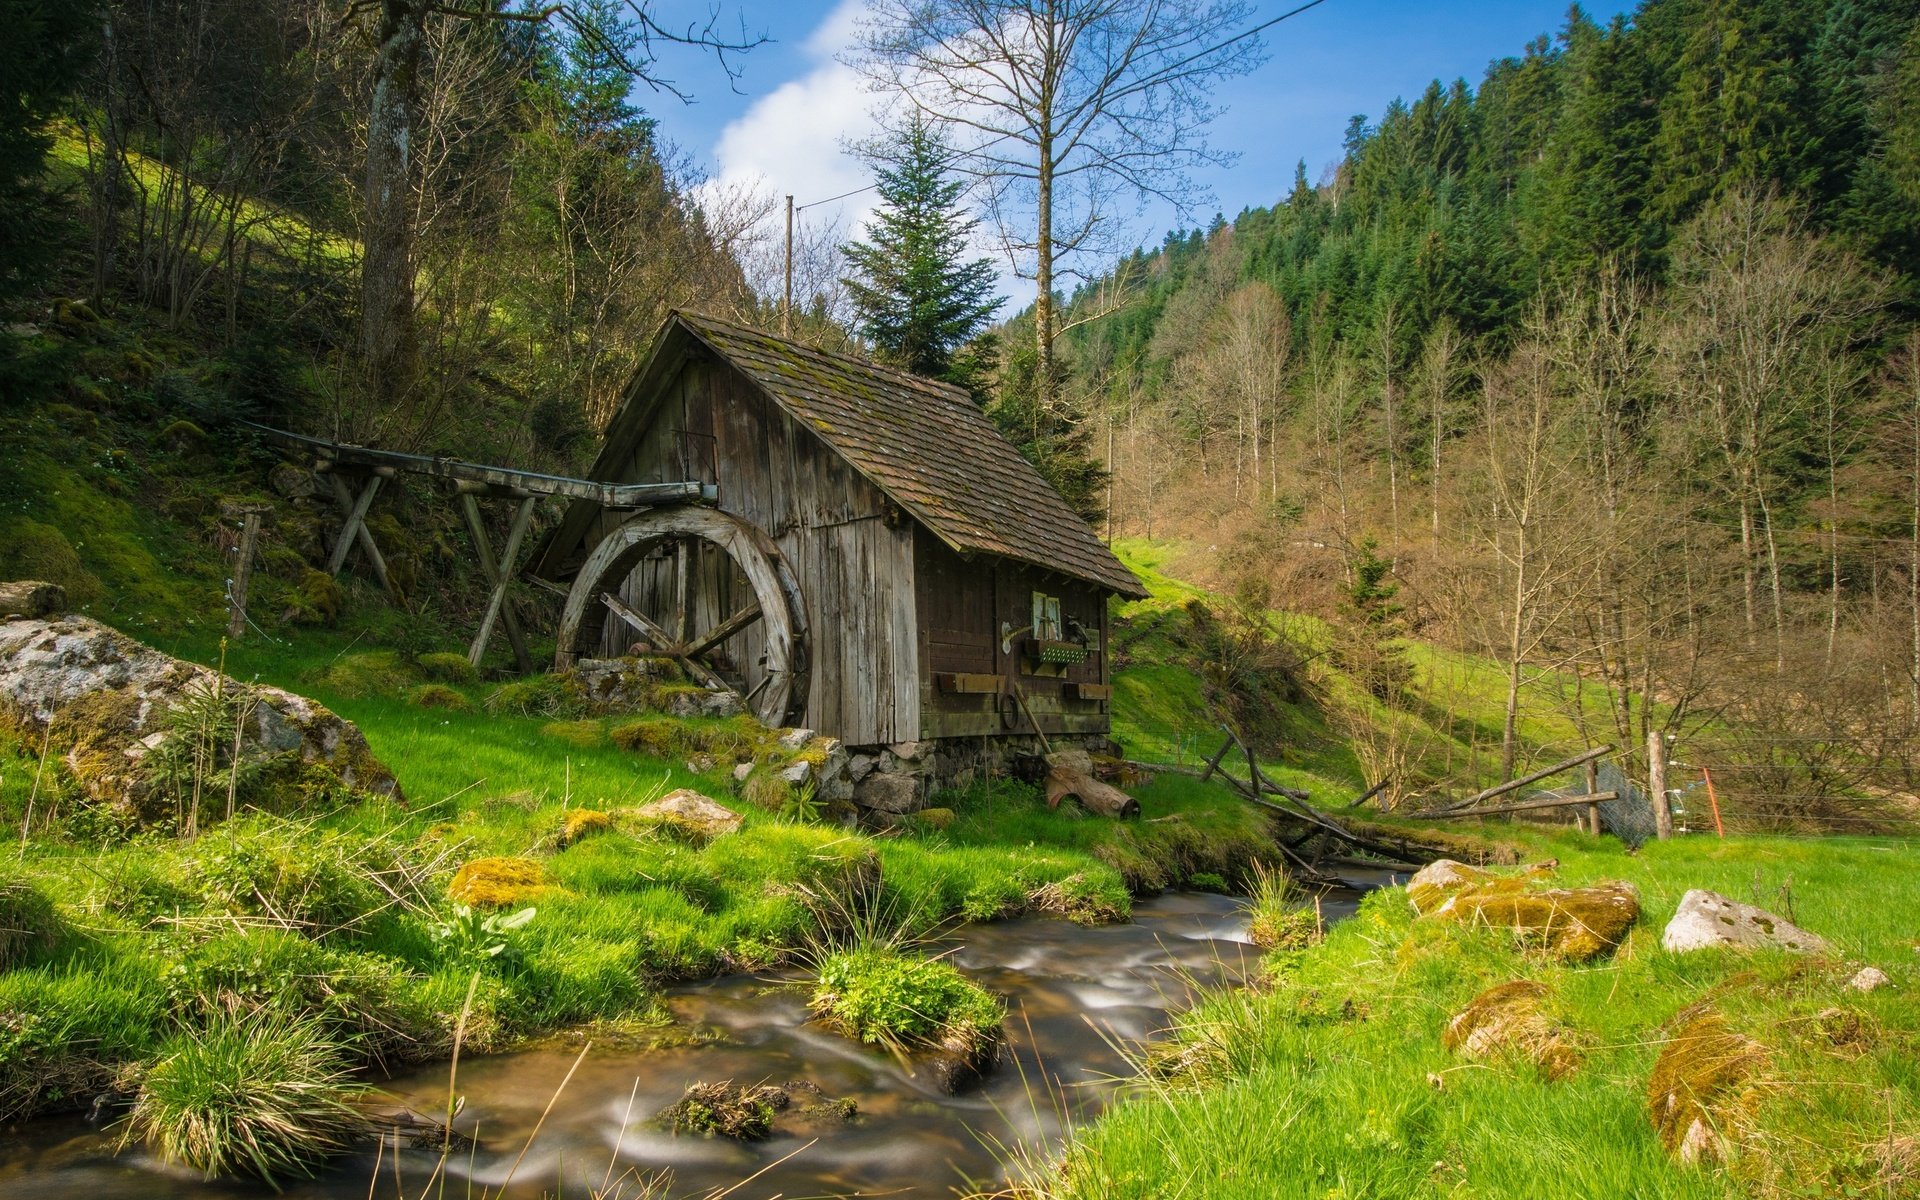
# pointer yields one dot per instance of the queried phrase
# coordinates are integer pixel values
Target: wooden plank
(612, 495)
(724, 630)
(968, 684)
(1524, 780)
(1089, 691)
(1582, 800)
(660, 638)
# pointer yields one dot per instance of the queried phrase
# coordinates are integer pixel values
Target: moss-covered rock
(1512, 1020)
(1705, 1086)
(886, 998)
(437, 695)
(32, 550)
(116, 708)
(446, 667)
(497, 882)
(370, 673)
(577, 824)
(1575, 924)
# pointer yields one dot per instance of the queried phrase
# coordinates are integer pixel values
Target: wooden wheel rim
(782, 693)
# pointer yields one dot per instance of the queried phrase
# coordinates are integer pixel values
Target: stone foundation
(895, 780)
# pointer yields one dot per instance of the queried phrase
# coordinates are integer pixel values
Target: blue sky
(784, 128)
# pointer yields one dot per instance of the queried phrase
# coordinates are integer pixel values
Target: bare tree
(389, 335)
(1756, 297)
(1058, 108)
(1439, 375)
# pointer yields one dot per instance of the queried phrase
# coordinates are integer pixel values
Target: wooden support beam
(662, 641)
(724, 630)
(354, 528)
(1524, 780)
(503, 575)
(1213, 764)
(483, 549)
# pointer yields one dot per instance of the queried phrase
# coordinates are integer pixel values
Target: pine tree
(918, 297)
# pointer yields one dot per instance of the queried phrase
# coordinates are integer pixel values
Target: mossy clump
(497, 882)
(1083, 899)
(725, 1110)
(1705, 1086)
(537, 696)
(664, 738)
(182, 436)
(314, 599)
(585, 733)
(1278, 917)
(372, 673)
(577, 824)
(673, 738)
(765, 789)
(1209, 881)
(28, 923)
(264, 1095)
(30, 549)
(1512, 1020)
(437, 695)
(886, 998)
(447, 667)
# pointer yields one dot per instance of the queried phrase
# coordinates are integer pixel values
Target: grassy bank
(1331, 1079)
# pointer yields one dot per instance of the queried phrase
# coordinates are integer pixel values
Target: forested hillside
(1604, 367)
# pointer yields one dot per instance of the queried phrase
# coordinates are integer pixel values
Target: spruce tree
(919, 298)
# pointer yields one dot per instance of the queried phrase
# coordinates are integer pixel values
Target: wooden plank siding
(845, 542)
(961, 603)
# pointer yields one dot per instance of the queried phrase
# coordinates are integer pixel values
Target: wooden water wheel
(703, 588)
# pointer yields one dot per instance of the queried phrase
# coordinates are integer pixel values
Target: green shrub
(447, 667)
(886, 998)
(62, 1032)
(1208, 881)
(266, 1095)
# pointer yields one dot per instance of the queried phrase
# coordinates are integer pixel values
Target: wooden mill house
(872, 559)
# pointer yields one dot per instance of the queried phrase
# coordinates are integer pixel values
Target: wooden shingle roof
(927, 446)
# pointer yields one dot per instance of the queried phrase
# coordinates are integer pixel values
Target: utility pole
(786, 305)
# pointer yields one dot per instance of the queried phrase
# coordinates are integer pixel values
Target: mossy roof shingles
(927, 446)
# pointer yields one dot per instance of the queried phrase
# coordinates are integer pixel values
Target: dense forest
(1605, 367)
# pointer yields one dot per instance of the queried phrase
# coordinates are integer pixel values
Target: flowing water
(1077, 1000)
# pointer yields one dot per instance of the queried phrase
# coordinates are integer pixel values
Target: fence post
(1593, 788)
(242, 578)
(1657, 784)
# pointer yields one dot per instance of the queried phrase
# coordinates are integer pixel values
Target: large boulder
(1707, 919)
(105, 701)
(1575, 924)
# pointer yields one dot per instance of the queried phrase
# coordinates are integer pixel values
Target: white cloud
(792, 141)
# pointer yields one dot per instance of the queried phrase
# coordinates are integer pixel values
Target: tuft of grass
(884, 997)
(368, 674)
(1279, 916)
(28, 923)
(437, 695)
(265, 1095)
(444, 666)
(537, 696)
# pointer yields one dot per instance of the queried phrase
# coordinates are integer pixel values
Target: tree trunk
(1043, 281)
(1516, 633)
(389, 347)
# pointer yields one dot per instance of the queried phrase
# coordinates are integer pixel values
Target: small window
(1046, 618)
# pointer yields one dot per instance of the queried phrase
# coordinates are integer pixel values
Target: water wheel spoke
(681, 622)
(702, 674)
(663, 642)
(724, 630)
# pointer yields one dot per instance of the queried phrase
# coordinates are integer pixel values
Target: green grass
(1331, 1080)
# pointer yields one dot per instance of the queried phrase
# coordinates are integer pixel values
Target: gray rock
(797, 773)
(1708, 919)
(295, 483)
(49, 666)
(795, 739)
(859, 766)
(891, 793)
(1869, 979)
(712, 702)
(741, 771)
(911, 751)
(688, 811)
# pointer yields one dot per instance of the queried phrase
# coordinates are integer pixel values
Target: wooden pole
(1657, 784)
(503, 576)
(1524, 780)
(242, 574)
(1713, 802)
(1593, 789)
(355, 528)
(483, 551)
(786, 304)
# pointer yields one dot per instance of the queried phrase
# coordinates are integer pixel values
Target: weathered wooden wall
(849, 547)
(961, 605)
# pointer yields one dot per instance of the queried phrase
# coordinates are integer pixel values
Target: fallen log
(1502, 789)
(1496, 810)
(31, 598)
(1070, 773)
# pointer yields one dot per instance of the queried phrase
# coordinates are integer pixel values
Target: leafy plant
(471, 937)
(899, 1001)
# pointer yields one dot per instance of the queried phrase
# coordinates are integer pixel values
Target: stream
(1075, 997)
